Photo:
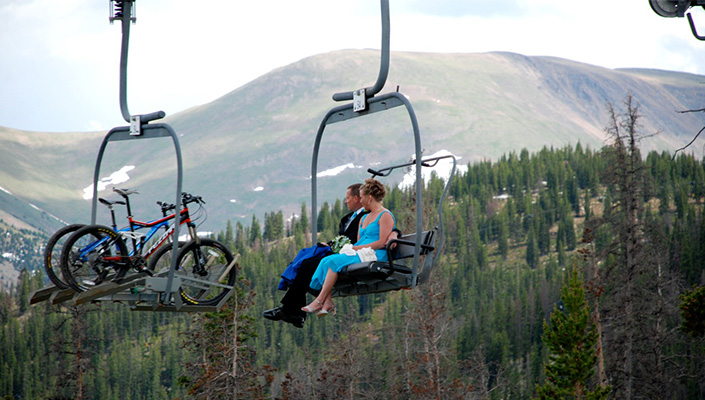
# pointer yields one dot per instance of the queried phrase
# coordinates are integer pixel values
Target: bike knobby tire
(200, 265)
(91, 255)
(52, 254)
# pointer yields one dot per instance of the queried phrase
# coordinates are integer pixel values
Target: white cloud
(65, 55)
(94, 125)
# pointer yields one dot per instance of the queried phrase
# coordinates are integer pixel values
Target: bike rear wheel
(52, 254)
(91, 255)
(202, 265)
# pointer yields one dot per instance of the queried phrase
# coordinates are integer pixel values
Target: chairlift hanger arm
(693, 28)
(384, 61)
(124, 11)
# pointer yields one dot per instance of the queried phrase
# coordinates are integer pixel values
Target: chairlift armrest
(405, 242)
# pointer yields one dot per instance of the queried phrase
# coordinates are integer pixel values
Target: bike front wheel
(206, 270)
(91, 255)
(160, 261)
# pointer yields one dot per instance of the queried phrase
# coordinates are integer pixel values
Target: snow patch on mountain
(115, 178)
(337, 170)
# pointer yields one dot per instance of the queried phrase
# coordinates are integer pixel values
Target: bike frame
(135, 225)
(155, 226)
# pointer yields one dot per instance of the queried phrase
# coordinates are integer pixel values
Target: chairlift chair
(162, 292)
(395, 274)
(376, 277)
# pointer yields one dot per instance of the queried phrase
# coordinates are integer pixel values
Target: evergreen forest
(596, 252)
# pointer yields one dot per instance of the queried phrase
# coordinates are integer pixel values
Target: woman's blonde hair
(374, 188)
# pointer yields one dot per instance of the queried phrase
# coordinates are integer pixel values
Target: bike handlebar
(189, 198)
(186, 198)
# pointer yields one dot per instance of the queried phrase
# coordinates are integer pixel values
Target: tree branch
(691, 142)
(690, 111)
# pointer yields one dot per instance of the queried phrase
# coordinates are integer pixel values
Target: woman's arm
(386, 224)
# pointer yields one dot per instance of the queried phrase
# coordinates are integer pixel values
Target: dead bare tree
(639, 323)
(74, 345)
(350, 368)
(431, 374)
(625, 177)
(223, 366)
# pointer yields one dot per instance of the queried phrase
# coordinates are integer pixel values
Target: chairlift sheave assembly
(161, 292)
(678, 9)
(375, 276)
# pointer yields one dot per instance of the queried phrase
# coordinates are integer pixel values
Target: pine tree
(586, 205)
(693, 311)
(503, 236)
(570, 338)
(532, 250)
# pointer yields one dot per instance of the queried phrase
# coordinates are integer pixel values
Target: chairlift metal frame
(366, 102)
(161, 293)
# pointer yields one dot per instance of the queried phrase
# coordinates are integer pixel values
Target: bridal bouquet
(338, 242)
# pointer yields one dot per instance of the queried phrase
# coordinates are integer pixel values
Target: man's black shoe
(275, 314)
(278, 314)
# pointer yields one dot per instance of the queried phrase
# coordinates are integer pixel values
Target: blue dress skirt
(337, 262)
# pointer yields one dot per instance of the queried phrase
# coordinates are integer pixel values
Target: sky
(59, 60)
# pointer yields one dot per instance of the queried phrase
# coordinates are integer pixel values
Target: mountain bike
(96, 253)
(52, 251)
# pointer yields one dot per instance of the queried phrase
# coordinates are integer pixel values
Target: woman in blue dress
(375, 227)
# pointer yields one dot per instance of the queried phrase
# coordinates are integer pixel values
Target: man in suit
(295, 297)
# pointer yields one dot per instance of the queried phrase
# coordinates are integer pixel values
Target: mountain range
(249, 152)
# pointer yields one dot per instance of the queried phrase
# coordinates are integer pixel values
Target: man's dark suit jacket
(354, 226)
(295, 297)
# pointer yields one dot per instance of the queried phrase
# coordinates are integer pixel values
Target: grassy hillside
(479, 106)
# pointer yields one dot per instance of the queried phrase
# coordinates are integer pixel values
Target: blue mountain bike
(52, 250)
(95, 254)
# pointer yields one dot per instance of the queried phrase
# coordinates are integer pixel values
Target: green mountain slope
(249, 151)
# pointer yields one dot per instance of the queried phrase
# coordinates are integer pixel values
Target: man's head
(352, 197)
